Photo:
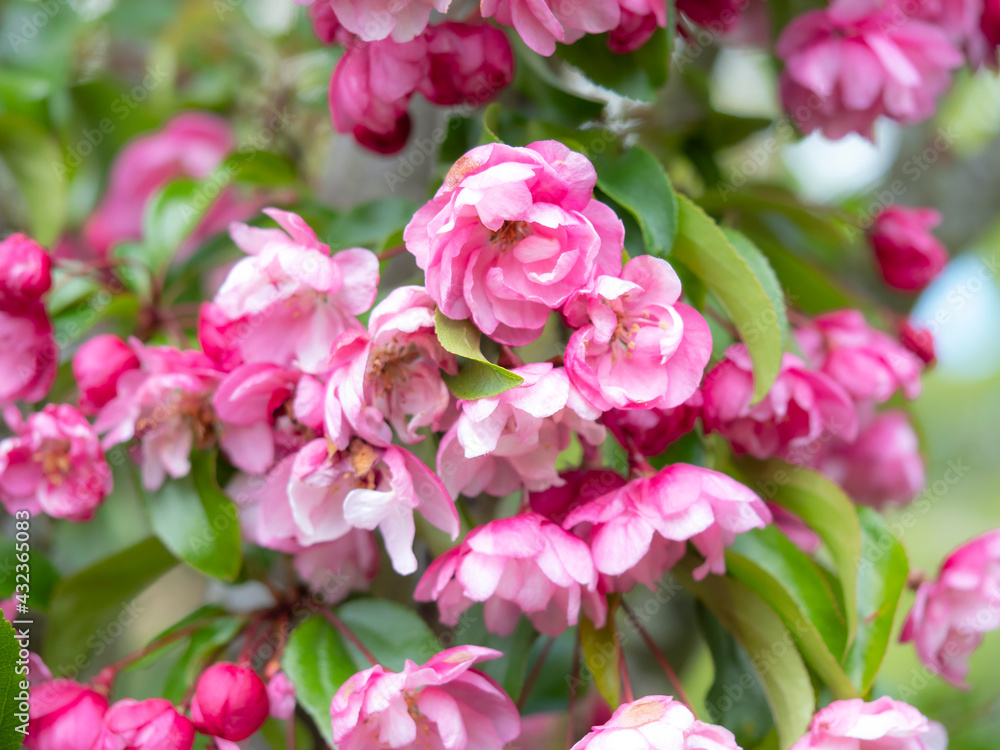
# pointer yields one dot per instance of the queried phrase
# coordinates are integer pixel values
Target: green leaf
(882, 575)
(477, 377)
(705, 249)
(767, 563)
(196, 520)
(205, 613)
(87, 603)
(11, 685)
(42, 575)
(317, 663)
(205, 644)
(602, 657)
(766, 640)
(393, 633)
(36, 163)
(258, 168)
(761, 268)
(511, 669)
(491, 124)
(170, 217)
(638, 75)
(370, 225)
(637, 181)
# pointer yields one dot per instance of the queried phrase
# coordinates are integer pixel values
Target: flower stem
(659, 656)
(536, 671)
(349, 635)
(574, 684)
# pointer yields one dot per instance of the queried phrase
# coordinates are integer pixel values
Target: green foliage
(393, 633)
(205, 644)
(32, 156)
(42, 575)
(477, 377)
(602, 657)
(638, 75)
(10, 687)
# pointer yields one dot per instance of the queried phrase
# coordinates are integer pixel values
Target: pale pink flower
(53, 464)
(883, 466)
(542, 23)
(441, 704)
(884, 724)
(651, 431)
(289, 300)
(908, 255)
(25, 272)
(636, 346)
(371, 88)
(951, 614)
(371, 20)
(281, 694)
(97, 365)
(656, 722)
(641, 530)
(867, 363)
(857, 59)
(64, 715)
(230, 701)
(391, 378)
(165, 405)
(525, 564)
(29, 356)
(152, 724)
(511, 235)
(802, 409)
(503, 443)
(469, 63)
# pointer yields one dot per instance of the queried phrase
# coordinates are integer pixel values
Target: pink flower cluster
(884, 724)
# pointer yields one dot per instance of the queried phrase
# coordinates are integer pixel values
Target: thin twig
(536, 671)
(626, 680)
(349, 635)
(574, 684)
(659, 656)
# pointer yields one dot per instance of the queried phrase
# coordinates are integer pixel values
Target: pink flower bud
(145, 725)
(230, 702)
(64, 715)
(908, 255)
(281, 694)
(918, 340)
(469, 63)
(24, 272)
(97, 366)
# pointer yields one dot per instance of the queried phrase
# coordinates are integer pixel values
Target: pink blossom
(29, 355)
(636, 346)
(716, 15)
(391, 378)
(289, 300)
(281, 694)
(908, 255)
(152, 724)
(867, 363)
(656, 722)
(951, 614)
(883, 466)
(639, 531)
(442, 704)
(97, 365)
(857, 59)
(53, 464)
(326, 24)
(64, 715)
(918, 340)
(230, 701)
(651, 431)
(511, 235)
(502, 443)
(884, 724)
(371, 89)
(525, 564)
(989, 26)
(371, 20)
(24, 272)
(166, 406)
(802, 408)
(577, 488)
(542, 23)
(469, 63)
(639, 19)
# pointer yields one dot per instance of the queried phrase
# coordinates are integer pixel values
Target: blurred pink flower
(469, 63)
(542, 23)
(152, 724)
(281, 695)
(64, 715)
(25, 273)
(29, 355)
(97, 366)
(883, 724)
(639, 19)
(908, 255)
(371, 20)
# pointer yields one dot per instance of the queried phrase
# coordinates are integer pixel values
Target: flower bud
(64, 715)
(230, 702)
(24, 271)
(97, 366)
(908, 255)
(145, 725)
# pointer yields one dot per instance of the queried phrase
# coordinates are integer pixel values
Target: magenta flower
(867, 363)
(577, 487)
(636, 346)
(25, 272)
(639, 531)
(289, 299)
(802, 409)
(53, 464)
(64, 715)
(542, 23)
(525, 564)
(511, 235)
(502, 443)
(656, 722)
(951, 614)
(230, 701)
(908, 255)
(847, 64)
(441, 704)
(884, 724)
(651, 431)
(29, 356)
(97, 366)
(469, 63)
(639, 19)
(152, 724)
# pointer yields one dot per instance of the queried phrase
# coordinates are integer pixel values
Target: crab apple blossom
(53, 464)
(288, 299)
(542, 23)
(327, 26)
(64, 715)
(636, 346)
(468, 63)
(29, 356)
(390, 379)
(884, 724)
(97, 366)
(25, 272)
(501, 443)
(651, 431)
(637, 24)
(230, 701)
(802, 408)
(908, 255)
(520, 565)
(578, 487)
(656, 722)
(281, 695)
(867, 363)
(152, 724)
(849, 63)
(511, 235)
(951, 614)
(639, 531)
(371, 20)
(444, 703)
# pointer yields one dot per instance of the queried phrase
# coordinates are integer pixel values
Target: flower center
(194, 409)
(508, 235)
(363, 458)
(389, 365)
(53, 455)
